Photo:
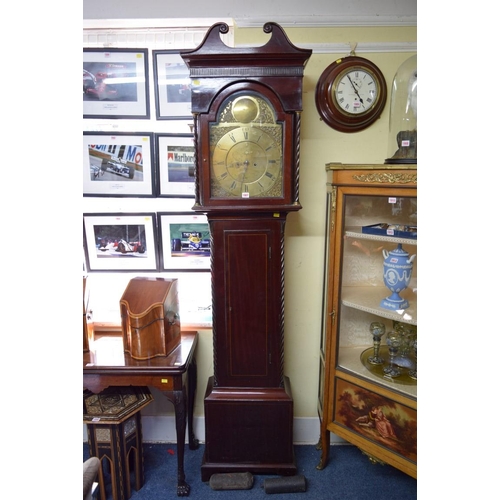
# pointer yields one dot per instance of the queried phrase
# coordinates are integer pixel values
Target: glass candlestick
(413, 373)
(393, 342)
(377, 330)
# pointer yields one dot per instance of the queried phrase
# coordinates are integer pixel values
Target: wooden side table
(174, 376)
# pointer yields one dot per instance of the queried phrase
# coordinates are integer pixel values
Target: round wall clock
(351, 94)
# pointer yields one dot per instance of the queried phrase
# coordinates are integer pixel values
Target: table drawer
(96, 382)
(164, 383)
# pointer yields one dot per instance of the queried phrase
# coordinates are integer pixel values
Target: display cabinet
(368, 352)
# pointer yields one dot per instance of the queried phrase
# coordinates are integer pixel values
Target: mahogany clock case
(248, 402)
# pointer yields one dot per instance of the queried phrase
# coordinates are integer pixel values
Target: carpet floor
(349, 475)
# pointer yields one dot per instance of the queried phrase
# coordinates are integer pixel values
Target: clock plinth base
(248, 430)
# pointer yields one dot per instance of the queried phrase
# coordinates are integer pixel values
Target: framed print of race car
(184, 241)
(120, 242)
(172, 85)
(115, 83)
(175, 165)
(118, 164)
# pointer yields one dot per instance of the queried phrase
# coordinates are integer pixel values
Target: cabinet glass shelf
(405, 363)
(367, 298)
(349, 361)
(356, 232)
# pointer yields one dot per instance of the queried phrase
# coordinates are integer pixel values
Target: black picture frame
(118, 164)
(120, 242)
(184, 241)
(172, 86)
(174, 155)
(116, 83)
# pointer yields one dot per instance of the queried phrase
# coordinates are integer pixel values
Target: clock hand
(356, 91)
(355, 84)
(245, 163)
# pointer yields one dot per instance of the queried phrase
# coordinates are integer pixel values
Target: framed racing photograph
(184, 241)
(172, 85)
(115, 83)
(120, 242)
(118, 164)
(175, 165)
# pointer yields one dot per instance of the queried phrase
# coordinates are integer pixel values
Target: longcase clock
(246, 104)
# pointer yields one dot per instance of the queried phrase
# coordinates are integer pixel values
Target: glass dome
(403, 115)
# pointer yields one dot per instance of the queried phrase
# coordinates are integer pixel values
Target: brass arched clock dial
(246, 149)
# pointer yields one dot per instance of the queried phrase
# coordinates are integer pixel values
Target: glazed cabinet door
(376, 300)
(368, 357)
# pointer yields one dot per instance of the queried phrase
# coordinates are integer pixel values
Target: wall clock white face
(355, 91)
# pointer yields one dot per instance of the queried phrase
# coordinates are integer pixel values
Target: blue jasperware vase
(398, 266)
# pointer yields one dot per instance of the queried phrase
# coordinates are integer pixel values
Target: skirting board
(161, 429)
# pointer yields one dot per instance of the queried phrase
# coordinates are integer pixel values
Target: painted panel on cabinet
(377, 418)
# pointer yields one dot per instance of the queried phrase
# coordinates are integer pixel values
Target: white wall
(318, 12)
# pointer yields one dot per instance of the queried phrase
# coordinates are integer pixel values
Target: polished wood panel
(249, 430)
(247, 300)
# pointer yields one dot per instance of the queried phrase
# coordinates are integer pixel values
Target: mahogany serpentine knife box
(149, 310)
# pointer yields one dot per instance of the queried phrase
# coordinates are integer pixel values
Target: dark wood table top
(108, 358)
